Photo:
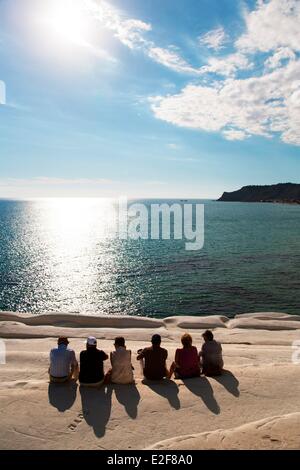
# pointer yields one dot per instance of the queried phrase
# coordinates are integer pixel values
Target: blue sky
(172, 98)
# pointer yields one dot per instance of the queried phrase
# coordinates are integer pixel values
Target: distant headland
(282, 193)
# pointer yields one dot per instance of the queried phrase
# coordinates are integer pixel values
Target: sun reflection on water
(77, 234)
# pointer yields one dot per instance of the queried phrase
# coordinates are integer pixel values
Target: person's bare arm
(105, 357)
(74, 368)
(140, 356)
(201, 353)
(49, 362)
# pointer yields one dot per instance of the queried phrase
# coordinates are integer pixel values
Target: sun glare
(66, 21)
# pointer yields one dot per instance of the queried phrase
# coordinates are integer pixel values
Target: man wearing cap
(63, 363)
(91, 364)
(154, 360)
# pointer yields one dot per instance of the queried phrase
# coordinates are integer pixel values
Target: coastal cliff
(282, 192)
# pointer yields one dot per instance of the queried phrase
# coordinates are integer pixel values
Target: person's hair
(156, 339)
(63, 340)
(119, 341)
(186, 340)
(208, 335)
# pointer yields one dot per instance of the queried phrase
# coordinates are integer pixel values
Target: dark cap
(156, 339)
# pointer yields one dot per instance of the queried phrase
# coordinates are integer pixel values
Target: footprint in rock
(72, 427)
(75, 423)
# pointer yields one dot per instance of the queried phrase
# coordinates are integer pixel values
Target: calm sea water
(53, 258)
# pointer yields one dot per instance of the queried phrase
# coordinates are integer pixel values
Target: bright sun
(67, 21)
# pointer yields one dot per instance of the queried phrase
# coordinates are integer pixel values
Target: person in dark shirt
(211, 355)
(154, 360)
(91, 364)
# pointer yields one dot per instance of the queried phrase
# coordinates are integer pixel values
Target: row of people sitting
(188, 362)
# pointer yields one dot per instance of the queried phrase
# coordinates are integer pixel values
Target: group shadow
(97, 402)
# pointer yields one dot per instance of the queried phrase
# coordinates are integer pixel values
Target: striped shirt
(61, 360)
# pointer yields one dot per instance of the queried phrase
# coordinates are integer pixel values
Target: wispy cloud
(171, 59)
(173, 146)
(227, 66)
(132, 33)
(129, 31)
(234, 134)
(214, 39)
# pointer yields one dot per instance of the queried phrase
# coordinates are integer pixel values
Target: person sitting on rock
(186, 364)
(91, 364)
(63, 363)
(154, 360)
(121, 371)
(211, 355)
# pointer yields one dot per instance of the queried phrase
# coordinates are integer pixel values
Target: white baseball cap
(91, 341)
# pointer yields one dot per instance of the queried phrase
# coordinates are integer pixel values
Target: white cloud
(128, 30)
(227, 65)
(235, 134)
(265, 101)
(271, 27)
(214, 39)
(171, 59)
(281, 54)
(273, 24)
(256, 106)
(131, 32)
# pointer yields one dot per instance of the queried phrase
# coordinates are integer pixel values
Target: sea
(56, 257)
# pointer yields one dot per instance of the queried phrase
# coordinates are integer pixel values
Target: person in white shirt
(121, 371)
(63, 363)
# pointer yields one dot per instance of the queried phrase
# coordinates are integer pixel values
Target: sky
(152, 98)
